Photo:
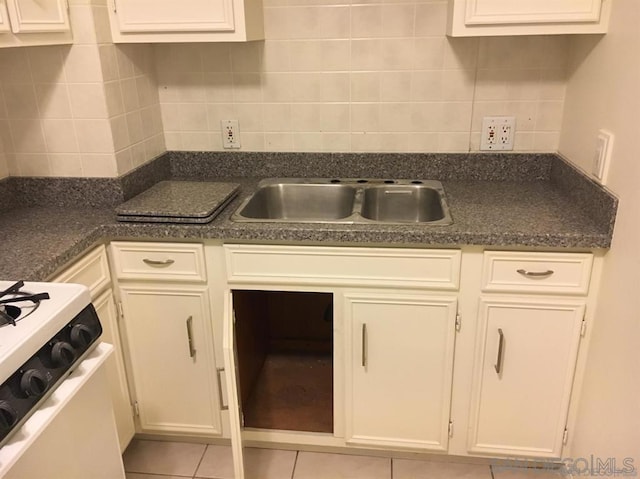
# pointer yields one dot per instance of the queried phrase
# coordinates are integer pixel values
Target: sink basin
(300, 202)
(346, 200)
(402, 203)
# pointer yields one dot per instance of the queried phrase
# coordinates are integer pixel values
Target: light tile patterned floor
(175, 460)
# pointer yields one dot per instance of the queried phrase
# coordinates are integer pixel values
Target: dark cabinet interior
(284, 344)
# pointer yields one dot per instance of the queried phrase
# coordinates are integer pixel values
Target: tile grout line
(195, 472)
(295, 463)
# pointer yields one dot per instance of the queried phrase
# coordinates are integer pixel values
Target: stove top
(36, 321)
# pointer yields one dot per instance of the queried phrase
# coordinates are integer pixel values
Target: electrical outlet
(230, 134)
(497, 132)
(602, 156)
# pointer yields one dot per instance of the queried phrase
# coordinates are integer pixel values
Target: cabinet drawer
(159, 261)
(391, 267)
(555, 273)
(91, 271)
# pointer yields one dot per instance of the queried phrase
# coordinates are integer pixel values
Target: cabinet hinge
(583, 328)
(458, 322)
(120, 311)
(565, 436)
(136, 409)
(450, 428)
(242, 419)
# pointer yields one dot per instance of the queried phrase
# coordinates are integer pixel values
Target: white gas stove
(45, 331)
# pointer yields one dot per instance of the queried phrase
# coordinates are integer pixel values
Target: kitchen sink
(346, 200)
(300, 202)
(402, 203)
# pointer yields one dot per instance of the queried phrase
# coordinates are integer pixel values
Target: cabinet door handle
(155, 262)
(223, 406)
(364, 345)
(192, 351)
(498, 364)
(535, 274)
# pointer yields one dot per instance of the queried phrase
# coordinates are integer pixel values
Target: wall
(63, 110)
(4, 167)
(336, 75)
(603, 92)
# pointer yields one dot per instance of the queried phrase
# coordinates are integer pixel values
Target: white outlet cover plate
(497, 133)
(230, 134)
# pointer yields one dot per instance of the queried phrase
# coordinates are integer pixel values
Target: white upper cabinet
(156, 21)
(527, 17)
(34, 22)
(41, 16)
(5, 26)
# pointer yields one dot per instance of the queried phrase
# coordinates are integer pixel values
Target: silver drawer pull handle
(223, 406)
(498, 365)
(192, 351)
(364, 345)
(155, 262)
(535, 274)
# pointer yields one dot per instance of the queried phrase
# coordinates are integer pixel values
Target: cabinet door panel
(5, 26)
(482, 12)
(174, 378)
(38, 16)
(168, 16)
(106, 309)
(521, 393)
(400, 369)
(233, 391)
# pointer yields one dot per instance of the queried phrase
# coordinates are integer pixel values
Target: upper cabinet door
(38, 16)
(158, 21)
(4, 18)
(527, 17)
(169, 16)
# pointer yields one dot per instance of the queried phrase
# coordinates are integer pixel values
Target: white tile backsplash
(90, 109)
(332, 75)
(382, 71)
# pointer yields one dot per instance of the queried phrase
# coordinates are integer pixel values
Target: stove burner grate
(9, 312)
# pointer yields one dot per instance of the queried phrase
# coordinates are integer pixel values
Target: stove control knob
(81, 335)
(33, 383)
(63, 354)
(8, 416)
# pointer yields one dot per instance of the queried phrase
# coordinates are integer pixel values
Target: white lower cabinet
(92, 270)
(399, 369)
(116, 373)
(170, 346)
(524, 370)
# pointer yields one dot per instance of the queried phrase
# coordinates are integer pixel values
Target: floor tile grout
(295, 462)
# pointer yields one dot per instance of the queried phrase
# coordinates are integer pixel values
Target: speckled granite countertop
(39, 240)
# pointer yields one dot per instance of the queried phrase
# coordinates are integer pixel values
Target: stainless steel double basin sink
(346, 200)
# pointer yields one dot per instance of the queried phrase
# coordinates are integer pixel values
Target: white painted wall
(603, 91)
(4, 168)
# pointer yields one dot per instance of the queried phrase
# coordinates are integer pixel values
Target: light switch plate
(602, 155)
